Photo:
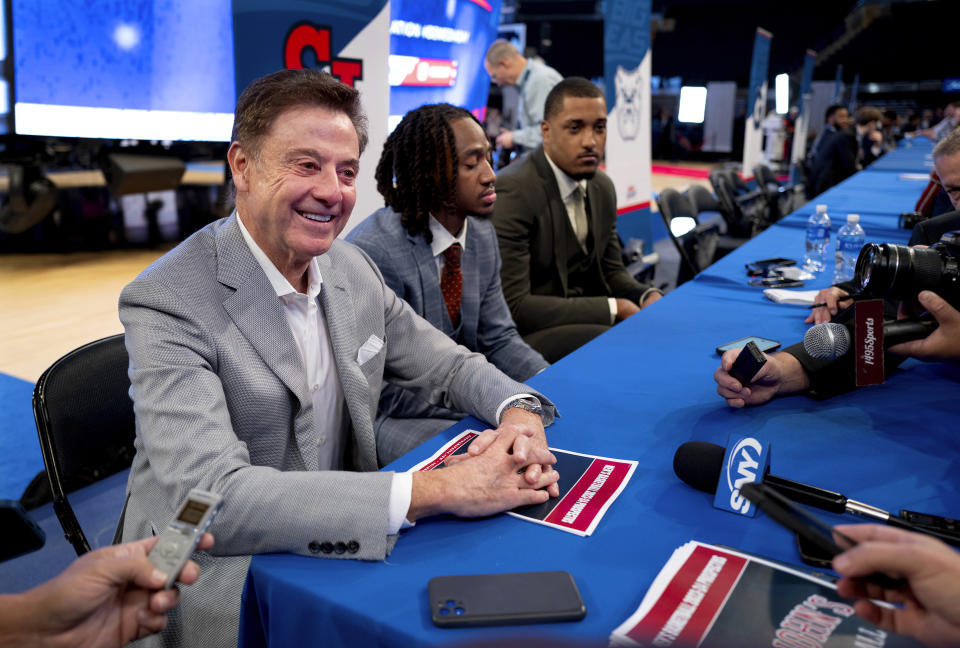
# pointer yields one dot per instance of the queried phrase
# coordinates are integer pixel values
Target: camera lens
(898, 271)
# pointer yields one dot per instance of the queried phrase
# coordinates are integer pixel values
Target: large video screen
(124, 69)
(436, 53)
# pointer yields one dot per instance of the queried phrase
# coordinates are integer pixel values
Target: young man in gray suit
(437, 250)
(257, 351)
(556, 220)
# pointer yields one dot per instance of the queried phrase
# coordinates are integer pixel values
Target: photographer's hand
(943, 343)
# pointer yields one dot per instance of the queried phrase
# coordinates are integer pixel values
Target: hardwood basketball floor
(52, 303)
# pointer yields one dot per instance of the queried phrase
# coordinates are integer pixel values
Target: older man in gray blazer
(257, 351)
(431, 215)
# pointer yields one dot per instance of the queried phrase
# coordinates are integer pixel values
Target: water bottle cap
(853, 218)
(821, 208)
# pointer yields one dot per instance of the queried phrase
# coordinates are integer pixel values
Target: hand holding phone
(748, 363)
(809, 528)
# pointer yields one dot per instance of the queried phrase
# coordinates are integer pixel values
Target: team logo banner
(347, 38)
(756, 101)
(626, 72)
(802, 125)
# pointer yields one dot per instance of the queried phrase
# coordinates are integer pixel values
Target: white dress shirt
(442, 239)
(309, 328)
(567, 187)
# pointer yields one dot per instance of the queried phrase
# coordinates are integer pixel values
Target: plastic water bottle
(818, 240)
(850, 240)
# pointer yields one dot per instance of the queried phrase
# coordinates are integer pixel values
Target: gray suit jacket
(221, 404)
(532, 228)
(409, 268)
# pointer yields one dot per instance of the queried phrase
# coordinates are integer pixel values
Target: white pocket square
(369, 349)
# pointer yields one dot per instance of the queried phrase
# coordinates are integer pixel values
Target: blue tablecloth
(637, 392)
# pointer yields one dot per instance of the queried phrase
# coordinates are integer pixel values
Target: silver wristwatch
(526, 403)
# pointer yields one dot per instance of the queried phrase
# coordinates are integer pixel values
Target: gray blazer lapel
(337, 305)
(434, 308)
(470, 303)
(256, 310)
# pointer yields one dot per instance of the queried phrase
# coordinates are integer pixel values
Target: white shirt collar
(564, 181)
(442, 238)
(280, 284)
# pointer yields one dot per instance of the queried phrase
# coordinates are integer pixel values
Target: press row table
(638, 392)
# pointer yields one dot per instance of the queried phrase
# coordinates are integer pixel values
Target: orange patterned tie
(451, 282)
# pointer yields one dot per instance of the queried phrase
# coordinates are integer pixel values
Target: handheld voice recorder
(181, 536)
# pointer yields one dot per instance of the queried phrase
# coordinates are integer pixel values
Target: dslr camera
(901, 272)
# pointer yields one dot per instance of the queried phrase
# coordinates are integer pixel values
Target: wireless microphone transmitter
(748, 363)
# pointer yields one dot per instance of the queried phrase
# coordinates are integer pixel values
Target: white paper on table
(794, 297)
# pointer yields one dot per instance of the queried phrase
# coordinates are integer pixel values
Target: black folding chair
(85, 422)
(704, 201)
(696, 244)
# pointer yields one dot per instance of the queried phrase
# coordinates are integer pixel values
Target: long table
(638, 392)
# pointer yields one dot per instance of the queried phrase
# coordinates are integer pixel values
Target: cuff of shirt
(401, 492)
(647, 293)
(507, 401)
(612, 303)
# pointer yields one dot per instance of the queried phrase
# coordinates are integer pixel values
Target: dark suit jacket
(835, 161)
(409, 268)
(930, 231)
(533, 229)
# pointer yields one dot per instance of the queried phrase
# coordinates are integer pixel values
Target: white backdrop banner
(756, 102)
(626, 66)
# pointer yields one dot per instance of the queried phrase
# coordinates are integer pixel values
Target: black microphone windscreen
(698, 463)
(827, 341)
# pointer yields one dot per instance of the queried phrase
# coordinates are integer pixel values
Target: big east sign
(305, 36)
(746, 461)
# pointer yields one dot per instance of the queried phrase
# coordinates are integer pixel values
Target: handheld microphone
(831, 340)
(699, 464)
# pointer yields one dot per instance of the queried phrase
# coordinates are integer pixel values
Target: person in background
(507, 66)
(105, 599)
(833, 154)
(556, 218)
(437, 249)
(869, 135)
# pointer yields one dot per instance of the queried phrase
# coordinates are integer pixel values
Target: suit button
(314, 547)
(326, 547)
(340, 548)
(353, 546)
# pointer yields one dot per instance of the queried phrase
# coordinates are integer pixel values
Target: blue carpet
(20, 457)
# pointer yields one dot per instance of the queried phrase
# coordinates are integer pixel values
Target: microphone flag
(868, 341)
(746, 461)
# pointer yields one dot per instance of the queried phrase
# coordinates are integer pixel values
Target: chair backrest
(85, 422)
(703, 200)
(765, 177)
(674, 204)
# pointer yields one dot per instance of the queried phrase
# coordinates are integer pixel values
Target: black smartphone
(765, 266)
(764, 344)
(776, 282)
(817, 535)
(748, 363)
(504, 599)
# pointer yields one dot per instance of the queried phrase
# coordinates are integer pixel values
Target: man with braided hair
(437, 249)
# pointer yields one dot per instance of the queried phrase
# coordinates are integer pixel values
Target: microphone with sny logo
(700, 464)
